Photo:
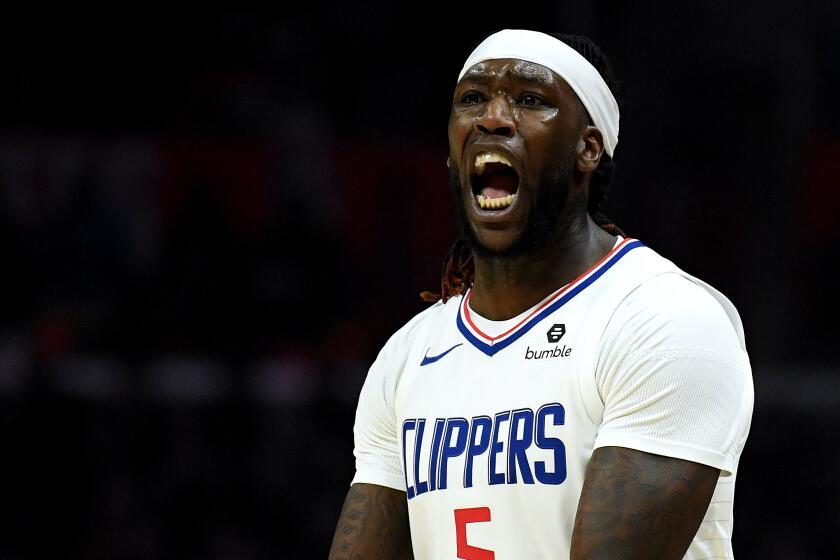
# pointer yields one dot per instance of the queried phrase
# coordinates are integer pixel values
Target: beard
(544, 213)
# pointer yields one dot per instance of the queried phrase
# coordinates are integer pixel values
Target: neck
(505, 287)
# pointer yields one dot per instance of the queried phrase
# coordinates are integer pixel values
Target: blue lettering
(512, 441)
(496, 448)
(517, 446)
(558, 414)
(451, 450)
(420, 487)
(479, 441)
(433, 462)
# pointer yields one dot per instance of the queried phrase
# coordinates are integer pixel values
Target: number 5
(471, 515)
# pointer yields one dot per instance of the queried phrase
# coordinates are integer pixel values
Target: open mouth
(494, 182)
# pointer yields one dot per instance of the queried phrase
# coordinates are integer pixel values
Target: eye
(530, 100)
(471, 98)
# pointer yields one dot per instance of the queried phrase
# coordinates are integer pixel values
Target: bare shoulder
(639, 505)
(373, 525)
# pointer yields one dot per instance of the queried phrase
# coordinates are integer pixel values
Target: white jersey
(488, 425)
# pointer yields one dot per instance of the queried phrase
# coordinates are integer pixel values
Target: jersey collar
(490, 345)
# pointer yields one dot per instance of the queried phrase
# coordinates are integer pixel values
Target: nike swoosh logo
(432, 359)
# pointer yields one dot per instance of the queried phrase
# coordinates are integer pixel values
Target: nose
(497, 118)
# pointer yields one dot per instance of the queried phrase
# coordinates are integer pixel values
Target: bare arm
(636, 505)
(373, 525)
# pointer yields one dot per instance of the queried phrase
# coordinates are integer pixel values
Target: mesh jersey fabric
(668, 372)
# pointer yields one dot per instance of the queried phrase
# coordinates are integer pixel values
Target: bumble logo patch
(556, 332)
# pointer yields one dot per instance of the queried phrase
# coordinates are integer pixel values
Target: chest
(453, 373)
(471, 418)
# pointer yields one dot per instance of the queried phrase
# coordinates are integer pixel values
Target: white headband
(556, 55)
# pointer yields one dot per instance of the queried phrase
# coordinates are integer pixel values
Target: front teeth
(484, 158)
(495, 203)
(481, 160)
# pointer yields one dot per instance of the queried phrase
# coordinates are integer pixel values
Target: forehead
(520, 70)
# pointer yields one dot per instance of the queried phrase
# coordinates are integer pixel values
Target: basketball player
(570, 393)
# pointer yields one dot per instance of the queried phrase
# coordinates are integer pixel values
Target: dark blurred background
(210, 222)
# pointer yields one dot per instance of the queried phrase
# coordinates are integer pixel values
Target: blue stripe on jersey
(490, 350)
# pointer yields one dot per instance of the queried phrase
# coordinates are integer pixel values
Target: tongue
(497, 186)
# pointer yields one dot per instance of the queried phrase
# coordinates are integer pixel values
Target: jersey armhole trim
(672, 449)
(380, 479)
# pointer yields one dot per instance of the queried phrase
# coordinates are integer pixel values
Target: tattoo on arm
(636, 505)
(373, 525)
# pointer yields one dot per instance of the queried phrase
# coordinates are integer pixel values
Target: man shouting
(570, 393)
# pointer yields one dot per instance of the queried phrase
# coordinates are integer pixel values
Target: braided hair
(458, 271)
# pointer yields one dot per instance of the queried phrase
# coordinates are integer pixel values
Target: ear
(589, 150)
(448, 162)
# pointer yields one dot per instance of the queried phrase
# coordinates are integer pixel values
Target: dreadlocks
(457, 273)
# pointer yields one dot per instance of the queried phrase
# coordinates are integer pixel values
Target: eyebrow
(523, 70)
